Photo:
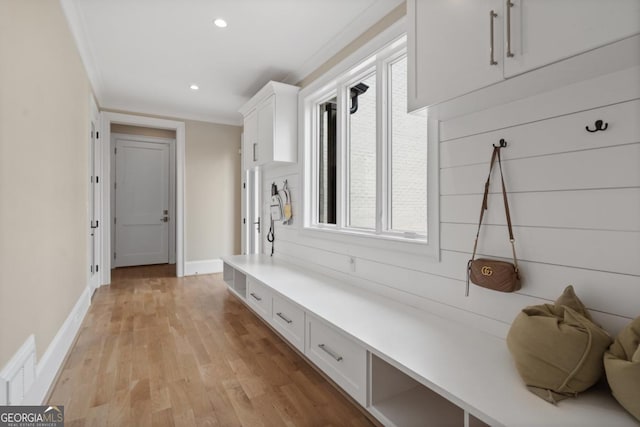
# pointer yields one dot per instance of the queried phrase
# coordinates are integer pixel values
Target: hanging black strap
(271, 237)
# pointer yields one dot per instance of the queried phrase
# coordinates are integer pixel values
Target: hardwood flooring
(162, 351)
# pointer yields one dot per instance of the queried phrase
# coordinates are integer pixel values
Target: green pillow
(622, 364)
(557, 348)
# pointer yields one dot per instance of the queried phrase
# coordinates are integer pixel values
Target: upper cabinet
(270, 126)
(456, 47)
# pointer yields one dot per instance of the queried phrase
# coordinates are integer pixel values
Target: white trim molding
(22, 381)
(208, 266)
(79, 32)
(18, 374)
(129, 119)
(53, 358)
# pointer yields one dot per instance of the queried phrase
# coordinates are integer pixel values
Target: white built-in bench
(405, 366)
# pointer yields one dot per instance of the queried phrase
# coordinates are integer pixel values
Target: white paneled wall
(575, 202)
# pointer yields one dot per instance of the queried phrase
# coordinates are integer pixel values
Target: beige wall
(212, 181)
(360, 41)
(44, 129)
(212, 190)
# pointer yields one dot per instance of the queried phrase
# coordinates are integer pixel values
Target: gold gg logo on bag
(486, 270)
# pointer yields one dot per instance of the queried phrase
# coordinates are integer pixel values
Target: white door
(94, 205)
(142, 203)
(253, 225)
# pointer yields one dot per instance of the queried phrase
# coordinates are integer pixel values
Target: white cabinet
(448, 48)
(456, 47)
(259, 298)
(250, 140)
(339, 357)
(270, 126)
(288, 319)
(546, 31)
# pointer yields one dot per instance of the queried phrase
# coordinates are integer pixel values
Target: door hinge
(97, 179)
(97, 268)
(244, 185)
(244, 220)
(115, 220)
(97, 135)
(114, 255)
(91, 269)
(115, 185)
(115, 150)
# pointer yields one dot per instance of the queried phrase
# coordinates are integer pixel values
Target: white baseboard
(192, 268)
(3, 392)
(52, 359)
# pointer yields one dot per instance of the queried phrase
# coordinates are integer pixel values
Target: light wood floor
(157, 350)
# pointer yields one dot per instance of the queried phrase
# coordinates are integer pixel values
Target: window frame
(380, 53)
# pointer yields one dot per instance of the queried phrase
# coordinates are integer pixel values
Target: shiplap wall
(575, 203)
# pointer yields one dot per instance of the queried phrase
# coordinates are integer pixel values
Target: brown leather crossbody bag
(489, 273)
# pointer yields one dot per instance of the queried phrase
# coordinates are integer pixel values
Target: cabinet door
(250, 141)
(449, 48)
(546, 31)
(266, 130)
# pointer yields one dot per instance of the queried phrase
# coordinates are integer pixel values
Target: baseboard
(19, 373)
(209, 266)
(53, 358)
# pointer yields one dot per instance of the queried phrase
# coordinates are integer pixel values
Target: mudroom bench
(404, 366)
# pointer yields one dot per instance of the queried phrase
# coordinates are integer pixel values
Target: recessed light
(194, 87)
(220, 23)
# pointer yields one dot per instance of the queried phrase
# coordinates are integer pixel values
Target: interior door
(142, 203)
(253, 222)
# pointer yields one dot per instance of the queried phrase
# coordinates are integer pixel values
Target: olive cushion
(557, 348)
(622, 364)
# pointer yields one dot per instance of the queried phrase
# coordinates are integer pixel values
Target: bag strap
(494, 155)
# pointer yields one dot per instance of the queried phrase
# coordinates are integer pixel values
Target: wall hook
(598, 125)
(503, 144)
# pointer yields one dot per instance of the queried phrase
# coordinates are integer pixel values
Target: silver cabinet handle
(256, 297)
(509, 6)
(283, 317)
(330, 352)
(492, 16)
(255, 152)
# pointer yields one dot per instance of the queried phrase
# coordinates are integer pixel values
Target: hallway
(158, 350)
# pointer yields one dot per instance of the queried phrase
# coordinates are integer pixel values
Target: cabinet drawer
(288, 319)
(338, 356)
(259, 297)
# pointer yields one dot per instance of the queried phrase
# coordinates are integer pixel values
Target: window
(366, 158)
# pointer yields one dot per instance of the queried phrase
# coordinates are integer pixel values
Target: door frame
(95, 279)
(109, 118)
(171, 142)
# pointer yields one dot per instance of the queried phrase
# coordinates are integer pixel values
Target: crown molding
(78, 30)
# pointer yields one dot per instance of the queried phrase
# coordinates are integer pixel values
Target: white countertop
(472, 369)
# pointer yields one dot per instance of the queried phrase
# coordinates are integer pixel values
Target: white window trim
(321, 90)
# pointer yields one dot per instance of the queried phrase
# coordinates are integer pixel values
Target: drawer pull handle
(256, 297)
(509, 6)
(330, 352)
(492, 16)
(283, 317)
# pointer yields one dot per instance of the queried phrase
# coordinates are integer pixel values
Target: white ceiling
(142, 55)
